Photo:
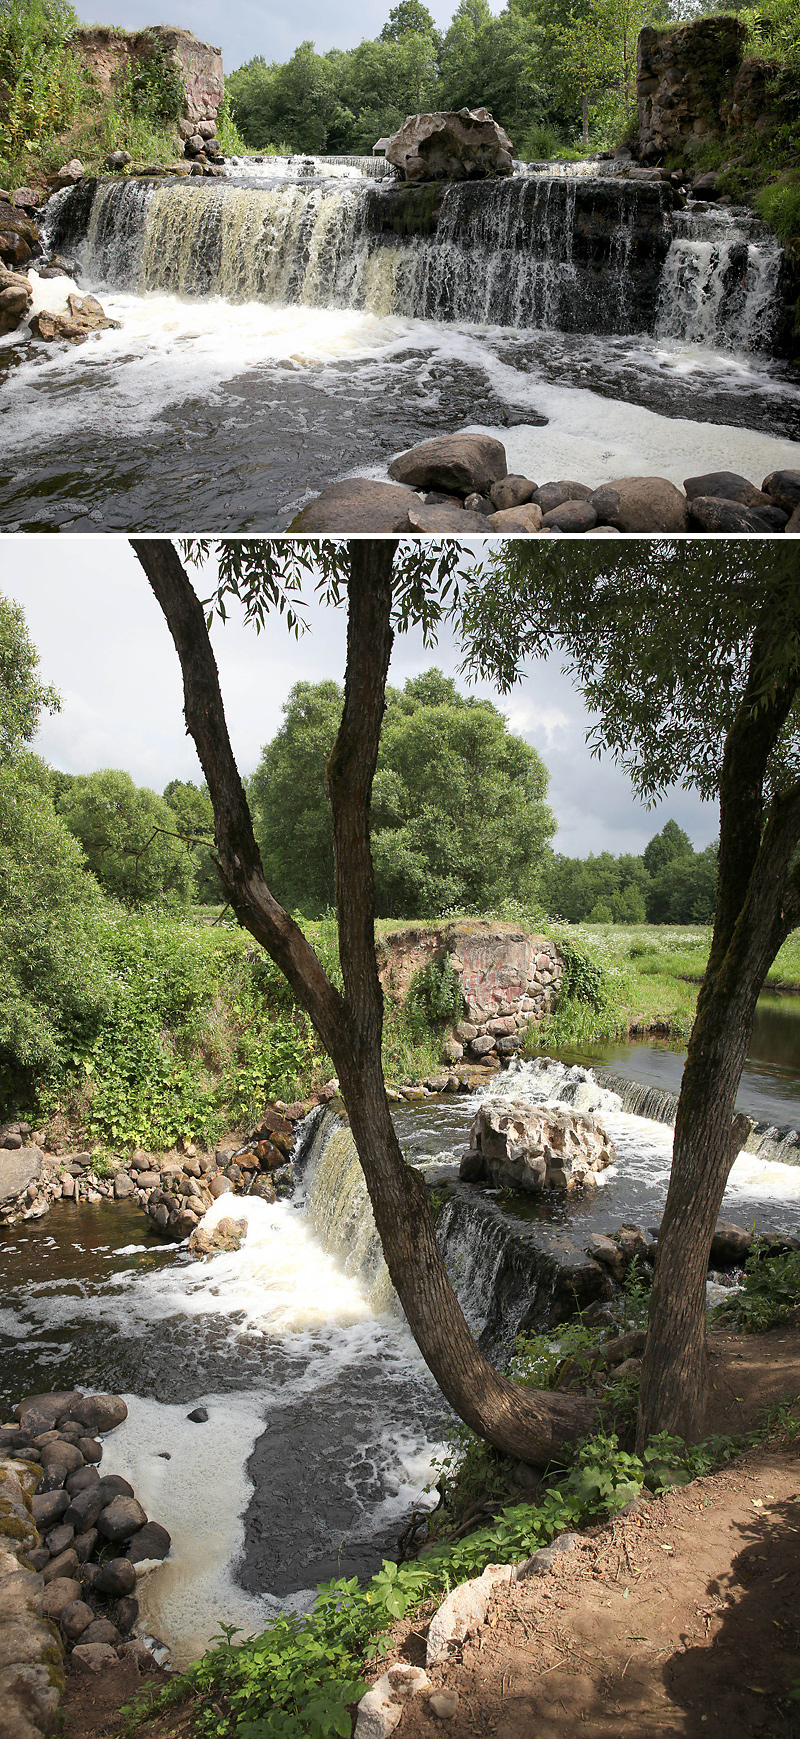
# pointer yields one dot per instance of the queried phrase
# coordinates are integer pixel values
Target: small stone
(84, 1544)
(126, 1613)
(102, 1630)
(58, 1594)
(444, 1704)
(198, 1415)
(81, 1480)
(90, 1449)
(151, 1541)
(94, 1657)
(49, 1508)
(59, 1539)
(75, 1618)
(66, 1564)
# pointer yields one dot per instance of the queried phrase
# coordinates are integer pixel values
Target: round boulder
(641, 504)
(75, 1618)
(117, 1576)
(58, 1594)
(459, 464)
(151, 1541)
(123, 1517)
(102, 1630)
(99, 1412)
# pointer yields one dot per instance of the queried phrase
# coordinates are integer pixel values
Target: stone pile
(19, 231)
(461, 484)
(70, 1543)
(534, 1147)
(201, 146)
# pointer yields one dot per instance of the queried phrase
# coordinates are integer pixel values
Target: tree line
(559, 75)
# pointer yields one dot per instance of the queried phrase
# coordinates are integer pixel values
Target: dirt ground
(681, 1618)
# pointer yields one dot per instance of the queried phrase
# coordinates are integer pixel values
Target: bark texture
(528, 1424)
(758, 904)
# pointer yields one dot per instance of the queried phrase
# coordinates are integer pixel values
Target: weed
(770, 1293)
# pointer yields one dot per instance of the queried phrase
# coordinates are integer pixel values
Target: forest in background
(532, 64)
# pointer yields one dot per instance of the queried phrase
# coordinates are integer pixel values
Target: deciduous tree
(689, 654)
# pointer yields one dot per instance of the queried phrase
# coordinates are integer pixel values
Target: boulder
(117, 1577)
(48, 1508)
(730, 1245)
(126, 1613)
(26, 198)
(101, 1630)
(16, 295)
(455, 519)
(574, 516)
(357, 504)
(533, 1148)
(85, 316)
(707, 185)
(151, 1541)
(123, 1186)
(726, 486)
(121, 1518)
(460, 464)
(94, 1657)
(463, 1611)
(74, 1619)
(511, 491)
(641, 504)
(525, 519)
(710, 513)
(59, 1594)
(99, 1412)
(552, 495)
(783, 487)
(17, 1171)
(69, 173)
(117, 160)
(62, 1454)
(66, 1564)
(462, 145)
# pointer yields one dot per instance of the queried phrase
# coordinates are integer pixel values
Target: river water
(273, 337)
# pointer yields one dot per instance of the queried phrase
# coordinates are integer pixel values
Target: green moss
(13, 1528)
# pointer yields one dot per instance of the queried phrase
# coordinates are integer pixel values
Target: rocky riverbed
(461, 484)
(72, 1544)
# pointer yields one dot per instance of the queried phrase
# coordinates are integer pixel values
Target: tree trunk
(758, 904)
(530, 1425)
(585, 119)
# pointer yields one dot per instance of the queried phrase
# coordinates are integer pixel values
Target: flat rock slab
(18, 1169)
(357, 504)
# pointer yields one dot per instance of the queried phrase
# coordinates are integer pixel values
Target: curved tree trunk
(758, 904)
(530, 1425)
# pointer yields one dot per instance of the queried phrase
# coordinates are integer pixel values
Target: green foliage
(193, 814)
(435, 995)
(41, 81)
(779, 205)
(22, 693)
(128, 835)
(53, 989)
(153, 86)
(458, 816)
(770, 1293)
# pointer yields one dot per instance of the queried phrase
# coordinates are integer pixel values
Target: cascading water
(562, 253)
(720, 281)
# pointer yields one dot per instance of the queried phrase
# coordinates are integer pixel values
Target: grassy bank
(193, 1029)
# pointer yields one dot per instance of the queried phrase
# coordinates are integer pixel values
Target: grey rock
(49, 1508)
(75, 1618)
(641, 504)
(726, 486)
(84, 1544)
(466, 144)
(102, 1630)
(707, 513)
(86, 1506)
(123, 1517)
(81, 1480)
(115, 1486)
(551, 495)
(573, 516)
(123, 1186)
(198, 1415)
(460, 463)
(117, 1576)
(730, 1245)
(783, 487)
(66, 1564)
(59, 1539)
(100, 1412)
(512, 491)
(151, 1541)
(93, 1657)
(58, 1594)
(17, 1171)
(126, 1613)
(357, 504)
(90, 1449)
(463, 1611)
(455, 519)
(62, 1454)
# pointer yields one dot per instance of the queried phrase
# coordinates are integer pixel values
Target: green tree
(458, 817)
(129, 838)
(408, 18)
(665, 847)
(689, 655)
(684, 891)
(23, 695)
(194, 822)
(387, 586)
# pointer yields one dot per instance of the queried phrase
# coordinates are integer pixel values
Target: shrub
(770, 1293)
(779, 205)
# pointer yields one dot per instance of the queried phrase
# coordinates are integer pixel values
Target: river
(280, 329)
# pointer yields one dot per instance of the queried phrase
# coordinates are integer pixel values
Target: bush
(770, 1294)
(42, 81)
(53, 985)
(779, 205)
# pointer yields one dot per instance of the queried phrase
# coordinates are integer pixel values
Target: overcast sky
(104, 644)
(274, 29)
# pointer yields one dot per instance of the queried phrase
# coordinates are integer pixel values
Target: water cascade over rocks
(559, 252)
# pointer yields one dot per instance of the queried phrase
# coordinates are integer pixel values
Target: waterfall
(554, 252)
(338, 1208)
(720, 280)
(766, 1140)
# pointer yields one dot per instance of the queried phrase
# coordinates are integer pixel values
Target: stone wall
(508, 979)
(694, 84)
(108, 53)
